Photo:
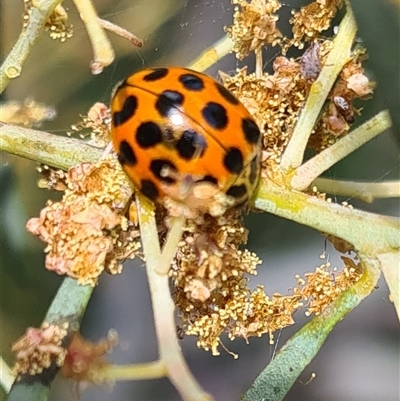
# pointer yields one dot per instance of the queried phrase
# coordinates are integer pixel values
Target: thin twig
(389, 264)
(171, 244)
(103, 53)
(6, 376)
(124, 33)
(212, 54)
(369, 233)
(140, 371)
(337, 58)
(365, 191)
(163, 309)
(313, 168)
(12, 66)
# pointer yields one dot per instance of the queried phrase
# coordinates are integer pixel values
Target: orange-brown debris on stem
(39, 348)
(84, 360)
(87, 232)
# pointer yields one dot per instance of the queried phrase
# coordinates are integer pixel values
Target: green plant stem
(6, 376)
(68, 306)
(309, 171)
(56, 151)
(369, 233)
(12, 66)
(140, 371)
(277, 378)
(103, 53)
(365, 191)
(163, 309)
(212, 54)
(337, 58)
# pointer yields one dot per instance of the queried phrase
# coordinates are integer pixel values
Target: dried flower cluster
(38, 349)
(254, 26)
(85, 360)
(86, 232)
(276, 100)
(28, 113)
(96, 125)
(52, 179)
(215, 304)
(311, 20)
(56, 25)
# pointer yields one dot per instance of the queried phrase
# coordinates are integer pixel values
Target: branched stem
(365, 191)
(163, 307)
(12, 66)
(309, 171)
(171, 244)
(337, 58)
(103, 53)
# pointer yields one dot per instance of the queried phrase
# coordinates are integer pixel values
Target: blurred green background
(359, 360)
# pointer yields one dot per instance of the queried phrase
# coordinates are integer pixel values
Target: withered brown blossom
(87, 233)
(210, 277)
(52, 179)
(27, 113)
(275, 102)
(310, 21)
(96, 125)
(84, 360)
(39, 348)
(340, 112)
(254, 26)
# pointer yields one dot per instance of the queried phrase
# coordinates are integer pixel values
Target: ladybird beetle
(180, 134)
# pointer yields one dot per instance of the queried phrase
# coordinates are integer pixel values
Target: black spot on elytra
(251, 131)
(190, 144)
(148, 134)
(237, 191)
(168, 100)
(215, 115)
(156, 74)
(149, 189)
(128, 111)
(226, 94)
(126, 155)
(254, 170)
(191, 82)
(158, 165)
(233, 160)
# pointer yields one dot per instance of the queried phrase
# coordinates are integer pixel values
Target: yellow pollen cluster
(86, 233)
(323, 286)
(39, 349)
(56, 25)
